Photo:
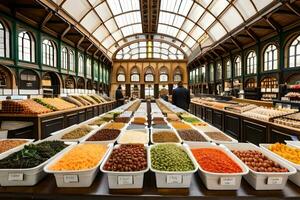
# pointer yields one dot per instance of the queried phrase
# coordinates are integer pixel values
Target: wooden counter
(243, 128)
(45, 124)
(46, 190)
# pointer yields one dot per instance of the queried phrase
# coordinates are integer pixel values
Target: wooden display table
(45, 124)
(47, 190)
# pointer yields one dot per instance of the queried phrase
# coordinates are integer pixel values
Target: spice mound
(127, 158)
(170, 157)
(180, 125)
(290, 153)
(81, 157)
(32, 155)
(139, 120)
(218, 136)
(216, 161)
(115, 125)
(133, 137)
(77, 133)
(258, 162)
(105, 135)
(6, 145)
(164, 136)
(191, 135)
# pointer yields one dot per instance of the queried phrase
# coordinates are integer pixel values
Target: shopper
(181, 97)
(163, 93)
(119, 96)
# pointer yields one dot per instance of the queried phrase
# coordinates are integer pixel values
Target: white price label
(171, 179)
(227, 180)
(125, 180)
(71, 178)
(274, 181)
(15, 177)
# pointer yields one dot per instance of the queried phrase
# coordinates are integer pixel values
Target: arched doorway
(29, 80)
(70, 82)
(89, 85)
(80, 83)
(51, 81)
(6, 78)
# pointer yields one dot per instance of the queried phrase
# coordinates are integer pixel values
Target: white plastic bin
(221, 181)
(125, 180)
(295, 178)
(75, 178)
(264, 180)
(24, 177)
(167, 179)
(15, 149)
(124, 132)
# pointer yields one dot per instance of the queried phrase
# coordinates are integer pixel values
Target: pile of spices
(139, 120)
(133, 137)
(77, 133)
(135, 126)
(114, 125)
(218, 136)
(97, 122)
(122, 119)
(32, 155)
(290, 153)
(172, 117)
(161, 126)
(258, 162)
(191, 135)
(127, 158)
(6, 145)
(164, 136)
(105, 135)
(191, 119)
(170, 157)
(216, 161)
(180, 125)
(81, 157)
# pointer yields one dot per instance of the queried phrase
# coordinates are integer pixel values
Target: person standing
(181, 97)
(119, 96)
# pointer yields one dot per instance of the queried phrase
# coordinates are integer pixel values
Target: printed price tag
(16, 177)
(125, 180)
(71, 178)
(227, 180)
(171, 179)
(274, 180)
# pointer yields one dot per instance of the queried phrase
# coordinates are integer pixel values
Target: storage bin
(124, 131)
(17, 148)
(221, 181)
(75, 178)
(295, 178)
(164, 130)
(167, 179)
(125, 180)
(264, 180)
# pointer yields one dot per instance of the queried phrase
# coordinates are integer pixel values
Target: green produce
(170, 157)
(45, 104)
(190, 119)
(32, 155)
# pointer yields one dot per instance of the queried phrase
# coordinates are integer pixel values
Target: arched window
(80, 64)
(64, 58)
(121, 74)
(134, 75)
(26, 47)
(251, 63)
(238, 66)
(203, 74)
(149, 75)
(72, 60)
(219, 71)
(4, 41)
(294, 53)
(228, 69)
(49, 53)
(163, 74)
(211, 72)
(251, 83)
(88, 67)
(177, 75)
(271, 58)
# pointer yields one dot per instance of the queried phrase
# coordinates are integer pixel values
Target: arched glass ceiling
(195, 23)
(150, 49)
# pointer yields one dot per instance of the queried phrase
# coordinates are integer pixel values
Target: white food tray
(59, 134)
(75, 178)
(264, 180)
(105, 141)
(221, 181)
(164, 130)
(26, 176)
(90, 121)
(123, 132)
(125, 180)
(15, 149)
(168, 179)
(221, 141)
(295, 178)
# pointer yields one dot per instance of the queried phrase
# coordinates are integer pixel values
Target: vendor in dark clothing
(119, 96)
(181, 97)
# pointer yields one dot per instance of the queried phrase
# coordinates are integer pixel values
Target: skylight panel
(246, 8)
(103, 11)
(206, 20)
(76, 10)
(101, 33)
(259, 4)
(173, 57)
(126, 56)
(126, 5)
(178, 21)
(111, 25)
(91, 21)
(108, 42)
(115, 6)
(143, 44)
(195, 12)
(173, 50)
(172, 31)
(135, 56)
(197, 32)
(218, 6)
(227, 17)
(164, 57)
(143, 55)
(204, 3)
(143, 50)
(189, 41)
(117, 35)
(217, 31)
(181, 35)
(156, 55)
(187, 26)
(162, 28)
(137, 28)
(185, 6)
